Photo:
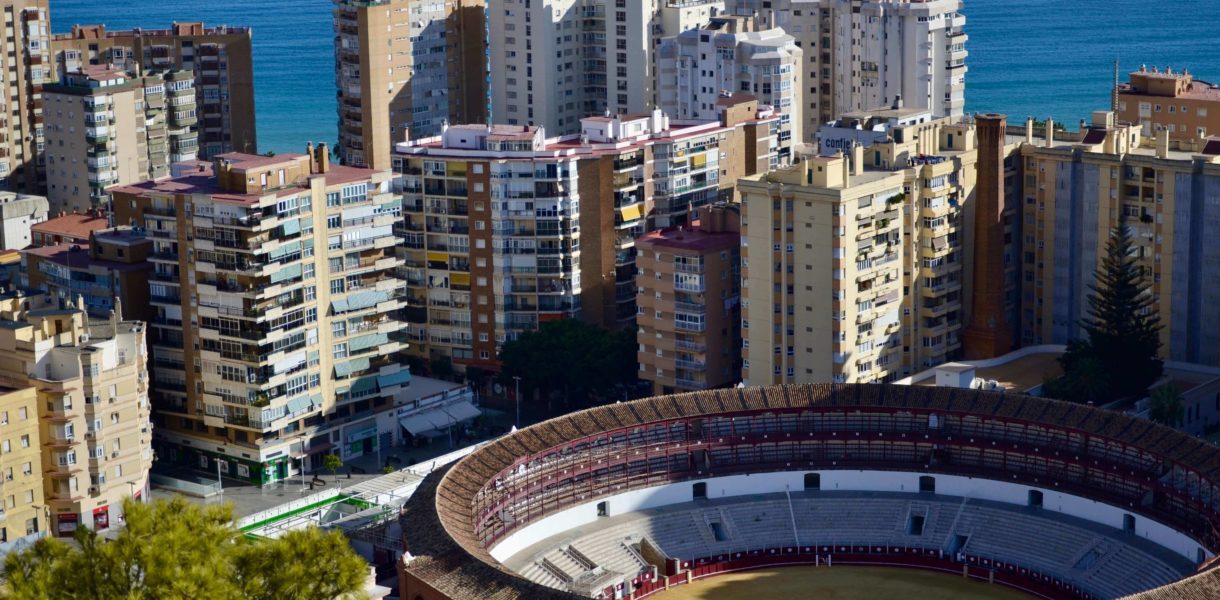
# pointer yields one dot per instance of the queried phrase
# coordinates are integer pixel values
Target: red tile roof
(74, 226)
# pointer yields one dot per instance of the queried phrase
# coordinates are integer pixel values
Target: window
(699, 490)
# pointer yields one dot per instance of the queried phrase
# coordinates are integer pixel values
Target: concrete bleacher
(1105, 561)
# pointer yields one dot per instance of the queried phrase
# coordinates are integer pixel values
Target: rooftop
(694, 239)
(78, 256)
(1018, 371)
(75, 225)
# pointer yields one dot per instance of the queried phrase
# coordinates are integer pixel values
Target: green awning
(364, 384)
(284, 250)
(361, 300)
(400, 378)
(285, 273)
(356, 365)
(339, 306)
(292, 227)
(303, 403)
(367, 341)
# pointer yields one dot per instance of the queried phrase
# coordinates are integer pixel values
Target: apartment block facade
(218, 58)
(21, 489)
(1076, 187)
(404, 69)
(110, 272)
(27, 27)
(854, 267)
(698, 67)
(276, 306)
(18, 214)
(1188, 108)
(864, 54)
(104, 128)
(688, 303)
(93, 407)
(506, 228)
(558, 61)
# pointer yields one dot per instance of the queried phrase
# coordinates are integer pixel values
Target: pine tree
(1123, 329)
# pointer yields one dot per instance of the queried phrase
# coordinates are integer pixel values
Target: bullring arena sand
(840, 583)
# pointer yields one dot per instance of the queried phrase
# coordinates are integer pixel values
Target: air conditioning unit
(114, 454)
(95, 490)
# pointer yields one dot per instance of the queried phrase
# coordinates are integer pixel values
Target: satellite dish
(499, 389)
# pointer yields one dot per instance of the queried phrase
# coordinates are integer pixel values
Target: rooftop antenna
(1114, 90)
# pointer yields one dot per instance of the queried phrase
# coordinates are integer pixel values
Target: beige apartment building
(276, 310)
(1076, 187)
(93, 407)
(218, 58)
(105, 127)
(862, 55)
(688, 302)
(404, 69)
(856, 268)
(27, 31)
(24, 508)
(506, 228)
(1188, 108)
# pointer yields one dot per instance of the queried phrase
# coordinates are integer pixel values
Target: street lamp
(517, 381)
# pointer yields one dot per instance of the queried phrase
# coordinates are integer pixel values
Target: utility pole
(517, 381)
(219, 482)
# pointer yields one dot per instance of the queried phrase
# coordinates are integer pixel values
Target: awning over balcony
(399, 378)
(439, 418)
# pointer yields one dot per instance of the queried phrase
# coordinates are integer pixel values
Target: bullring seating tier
(1106, 561)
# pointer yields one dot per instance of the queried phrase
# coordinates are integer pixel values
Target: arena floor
(839, 583)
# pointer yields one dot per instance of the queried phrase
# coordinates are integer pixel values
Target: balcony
(690, 365)
(690, 346)
(688, 326)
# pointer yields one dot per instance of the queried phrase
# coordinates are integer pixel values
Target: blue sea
(1027, 57)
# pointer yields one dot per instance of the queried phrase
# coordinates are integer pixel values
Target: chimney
(313, 158)
(1162, 143)
(988, 334)
(1050, 132)
(323, 158)
(118, 309)
(857, 160)
(1029, 130)
(845, 161)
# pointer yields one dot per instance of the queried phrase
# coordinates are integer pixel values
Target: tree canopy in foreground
(175, 549)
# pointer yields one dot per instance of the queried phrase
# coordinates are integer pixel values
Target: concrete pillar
(1050, 132)
(1029, 130)
(1162, 143)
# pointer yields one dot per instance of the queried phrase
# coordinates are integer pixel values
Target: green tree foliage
(572, 357)
(1119, 358)
(176, 549)
(1165, 406)
(332, 463)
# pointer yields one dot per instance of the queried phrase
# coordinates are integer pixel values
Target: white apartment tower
(866, 54)
(555, 62)
(698, 67)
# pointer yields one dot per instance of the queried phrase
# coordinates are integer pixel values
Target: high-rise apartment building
(105, 127)
(27, 34)
(506, 228)
(218, 58)
(404, 68)
(21, 489)
(92, 407)
(699, 66)
(558, 61)
(1188, 108)
(854, 267)
(276, 309)
(688, 303)
(864, 54)
(1074, 188)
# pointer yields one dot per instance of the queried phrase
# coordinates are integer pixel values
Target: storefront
(360, 440)
(66, 523)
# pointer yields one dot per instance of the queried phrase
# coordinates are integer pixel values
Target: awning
(344, 369)
(319, 448)
(440, 418)
(416, 424)
(630, 212)
(291, 227)
(461, 411)
(438, 257)
(399, 378)
(364, 384)
(367, 341)
(366, 299)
